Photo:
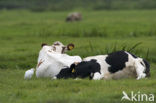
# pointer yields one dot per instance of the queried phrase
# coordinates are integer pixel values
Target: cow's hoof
(97, 76)
(54, 78)
(141, 76)
(77, 79)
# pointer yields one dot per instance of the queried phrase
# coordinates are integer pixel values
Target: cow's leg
(54, 78)
(97, 76)
(139, 69)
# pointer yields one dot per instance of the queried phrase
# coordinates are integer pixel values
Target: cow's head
(68, 72)
(58, 47)
(80, 69)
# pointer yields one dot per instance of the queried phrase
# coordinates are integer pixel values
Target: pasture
(100, 32)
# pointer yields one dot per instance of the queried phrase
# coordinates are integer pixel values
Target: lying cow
(116, 65)
(74, 17)
(81, 70)
(53, 58)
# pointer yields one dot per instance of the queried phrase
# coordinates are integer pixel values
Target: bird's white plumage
(29, 73)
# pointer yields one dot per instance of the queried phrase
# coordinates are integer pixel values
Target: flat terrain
(100, 32)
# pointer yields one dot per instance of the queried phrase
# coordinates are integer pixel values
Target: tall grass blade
(133, 47)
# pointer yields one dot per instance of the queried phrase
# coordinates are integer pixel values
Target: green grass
(14, 89)
(22, 53)
(99, 23)
(100, 32)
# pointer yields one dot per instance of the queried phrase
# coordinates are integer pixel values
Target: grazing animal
(121, 64)
(74, 17)
(53, 58)
(81, 70)
(29, 73)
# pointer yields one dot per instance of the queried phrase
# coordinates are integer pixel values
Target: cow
(74, 17)
(81, 70)
(52, 59)
(116, 65)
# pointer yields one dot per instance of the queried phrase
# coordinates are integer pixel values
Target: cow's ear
(72, 68)
(70, 46)
(43, 44)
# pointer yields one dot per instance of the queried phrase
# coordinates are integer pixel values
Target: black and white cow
(81, 70)
(116, 65)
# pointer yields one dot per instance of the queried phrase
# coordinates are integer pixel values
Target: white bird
(29, 73)
(125, 96)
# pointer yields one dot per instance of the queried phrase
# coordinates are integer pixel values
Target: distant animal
(81, 70)
(121, 64)
(52, 59)
(29, 73)
(74, 17)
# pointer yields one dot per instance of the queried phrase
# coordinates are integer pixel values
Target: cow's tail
(29, 73)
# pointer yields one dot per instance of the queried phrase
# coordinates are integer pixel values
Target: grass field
(100, 32)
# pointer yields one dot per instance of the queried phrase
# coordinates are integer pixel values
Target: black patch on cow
(117, 61)
(134, 56)
(82, 70)
(147, 70)
(86, 68)
(65, 73)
